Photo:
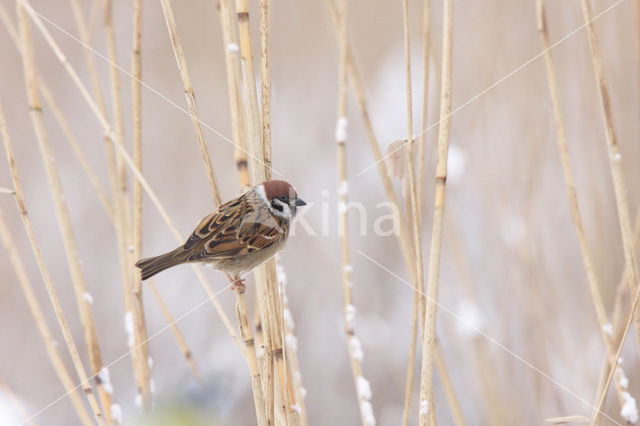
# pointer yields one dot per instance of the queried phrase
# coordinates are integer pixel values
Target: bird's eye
(283, 198)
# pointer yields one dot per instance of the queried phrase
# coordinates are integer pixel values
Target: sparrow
(239, 236)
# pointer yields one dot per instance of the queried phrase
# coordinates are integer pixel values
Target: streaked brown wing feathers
(235, 229)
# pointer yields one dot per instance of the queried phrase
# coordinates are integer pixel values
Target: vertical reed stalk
(258, 173)
(354, 347)
(414, 212)
(429, 338)
(234, 77)
(594, 286)
(136, 108)
(358, 88)
(454, 404)
(62, 212)
(615, 158)
(133, 299)
(281, 358)
(426, 48)
(53, 297)
(246, 331)
(191, 98)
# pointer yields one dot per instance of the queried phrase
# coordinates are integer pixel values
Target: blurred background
(510, 264)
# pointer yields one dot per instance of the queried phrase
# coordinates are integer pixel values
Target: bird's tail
(152, 265)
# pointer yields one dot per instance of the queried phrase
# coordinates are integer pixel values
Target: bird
(239, 236)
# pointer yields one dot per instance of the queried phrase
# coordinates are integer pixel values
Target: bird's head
(281, 198)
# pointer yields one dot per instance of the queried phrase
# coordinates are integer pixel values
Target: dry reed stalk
(358, 88)
(246, 331)
(53, 297)
(118, 179)
(38, 317)
(415, 208)
(234, 77)
(594, 286)
(77, 149)
(615, 158)
(454, 404)
(240, 159)
(291, 346)
(354, 349)
(191, 99)
(281, 357)
(422, 141)
(616, 359)
(144, 376)
(136, 172)
(263, 278)
(264, 8)
(131, 280)
(62, 211)
(182, 343)
(429, 338)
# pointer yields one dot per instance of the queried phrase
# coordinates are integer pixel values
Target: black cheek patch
(277, 206)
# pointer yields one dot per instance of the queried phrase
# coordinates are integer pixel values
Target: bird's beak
(299, 202)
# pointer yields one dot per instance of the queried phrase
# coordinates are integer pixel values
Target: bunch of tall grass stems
(265, 340)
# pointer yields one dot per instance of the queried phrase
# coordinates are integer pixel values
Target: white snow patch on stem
(291, 341)
(608, 329)
(629, 409)
(87, 298)
(105, 379)
(356, 348)
(424, 407)
(350, 315)
(281, 275)
(367, 413)
(288, 319)
(138, 401)
(129, 328)
(364, 388)
(296, 408)
(341, 129)
(116, 413)
(623, 381)
(343, 189)
(347, 268)
(233, 47)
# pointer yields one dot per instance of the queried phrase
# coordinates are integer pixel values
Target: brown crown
(278, 188)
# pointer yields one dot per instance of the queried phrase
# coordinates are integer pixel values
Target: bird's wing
(238, 227)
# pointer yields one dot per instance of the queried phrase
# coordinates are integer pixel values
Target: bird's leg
(237, 282)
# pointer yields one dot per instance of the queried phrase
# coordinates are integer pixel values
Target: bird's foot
(238, 283)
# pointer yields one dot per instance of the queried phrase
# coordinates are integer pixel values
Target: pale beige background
(509, 246)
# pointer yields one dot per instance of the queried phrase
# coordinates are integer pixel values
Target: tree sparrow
(240, 235)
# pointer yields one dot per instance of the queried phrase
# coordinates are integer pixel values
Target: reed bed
(519, 300)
